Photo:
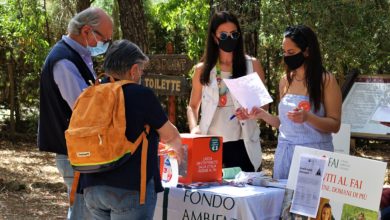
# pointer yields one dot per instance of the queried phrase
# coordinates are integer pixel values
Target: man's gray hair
(90, 16)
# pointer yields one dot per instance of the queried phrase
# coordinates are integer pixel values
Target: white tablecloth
(221, 202)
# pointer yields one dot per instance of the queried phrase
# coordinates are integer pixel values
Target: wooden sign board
(169, 64)
(166, 85)
(366, 95)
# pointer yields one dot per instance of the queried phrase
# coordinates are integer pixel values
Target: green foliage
(22, 32)
(186, 18)
(351, 33)
(352, 212)
(106, 5)
(24, 45)
(59, 12)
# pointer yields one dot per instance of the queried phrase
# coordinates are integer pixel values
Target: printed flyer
(308, 187)
(351, 186)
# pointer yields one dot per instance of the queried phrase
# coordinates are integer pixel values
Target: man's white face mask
(100, 47)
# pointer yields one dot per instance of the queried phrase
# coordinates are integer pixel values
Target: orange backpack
(96, 139)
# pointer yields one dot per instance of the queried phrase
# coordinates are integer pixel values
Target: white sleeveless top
(221, 124)
(212, 115)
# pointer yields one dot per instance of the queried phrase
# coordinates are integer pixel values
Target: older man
(68, 69)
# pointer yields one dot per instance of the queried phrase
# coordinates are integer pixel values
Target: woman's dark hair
(326, 205)
(211, 53)
(121, 56)
(306, 39)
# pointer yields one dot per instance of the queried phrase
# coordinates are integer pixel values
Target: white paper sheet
(309, 181)
(382, 114)
(249, 91)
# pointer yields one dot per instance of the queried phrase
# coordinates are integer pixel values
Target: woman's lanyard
(221, 86)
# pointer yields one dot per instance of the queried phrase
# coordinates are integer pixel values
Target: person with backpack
(68, 69)
(116, 193)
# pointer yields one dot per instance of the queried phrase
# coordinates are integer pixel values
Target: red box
(203, 159)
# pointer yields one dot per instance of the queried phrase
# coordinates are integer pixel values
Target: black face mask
(228, 45)
(294, 61)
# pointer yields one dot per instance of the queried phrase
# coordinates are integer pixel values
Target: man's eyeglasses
(101, 35)
(224, 35)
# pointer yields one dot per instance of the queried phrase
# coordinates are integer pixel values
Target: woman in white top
(224, 57)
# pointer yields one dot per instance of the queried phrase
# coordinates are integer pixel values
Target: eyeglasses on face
(224, 35)
(102, 36)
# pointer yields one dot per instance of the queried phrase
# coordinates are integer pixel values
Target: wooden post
(171, 99)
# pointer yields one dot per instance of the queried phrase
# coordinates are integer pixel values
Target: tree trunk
(212, 8)
(3, 67)
(117, 25)
(288, 12)
(83, 4)
(19, 74)
(48, 37)
(11, 78)
(133, 23)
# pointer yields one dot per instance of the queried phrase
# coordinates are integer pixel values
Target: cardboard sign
(351, 185)
(203, 159)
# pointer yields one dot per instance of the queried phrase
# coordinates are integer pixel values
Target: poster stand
(367, 93)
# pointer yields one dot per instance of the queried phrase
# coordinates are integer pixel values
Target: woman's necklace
(221, 86)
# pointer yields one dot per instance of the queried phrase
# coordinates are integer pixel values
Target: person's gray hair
(121, 56)
(90, 16)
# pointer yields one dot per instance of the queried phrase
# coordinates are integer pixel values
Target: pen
(231, 117)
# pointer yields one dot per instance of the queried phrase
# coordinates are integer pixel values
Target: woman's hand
(242, 114)
(297, 115)
(255, 113)
(175, 151)
(179, 153)
(196, 130)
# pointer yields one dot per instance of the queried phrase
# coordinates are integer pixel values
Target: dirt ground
(31, 188)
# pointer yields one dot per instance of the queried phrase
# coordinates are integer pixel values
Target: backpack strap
(144, 154)
(72, 194)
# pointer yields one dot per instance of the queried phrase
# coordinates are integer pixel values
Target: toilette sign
(165, 73)
(166, 85)
(169, 64)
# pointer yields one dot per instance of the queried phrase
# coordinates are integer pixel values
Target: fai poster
(351, 186)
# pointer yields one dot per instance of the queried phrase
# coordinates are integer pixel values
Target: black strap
(165, 204)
